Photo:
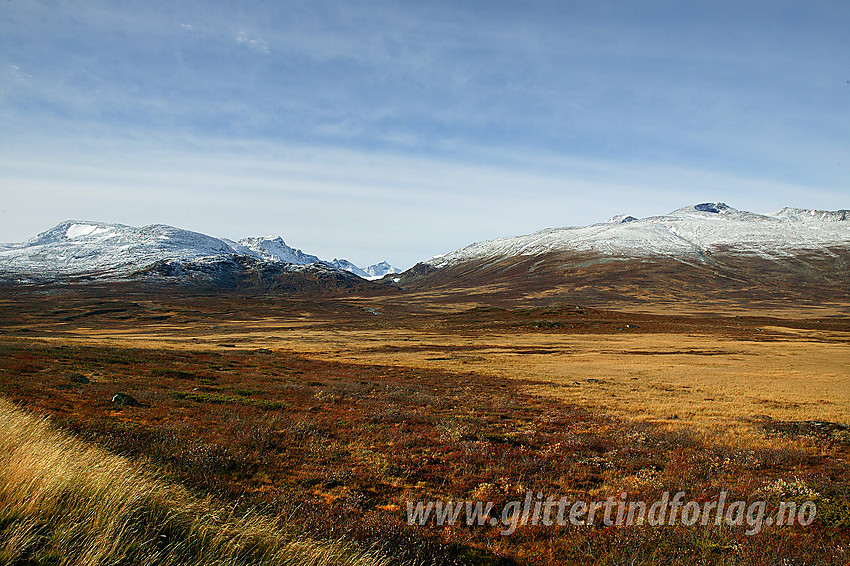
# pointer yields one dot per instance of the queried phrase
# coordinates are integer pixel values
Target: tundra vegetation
(272, 430)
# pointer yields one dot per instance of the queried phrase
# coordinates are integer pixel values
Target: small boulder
(79, 379)
(124, 400)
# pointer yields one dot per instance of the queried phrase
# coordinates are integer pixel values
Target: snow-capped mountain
(375, 271)
(692, 231)
(93, 248)
(378, 270)
(97, 249)
(346, 265)
(710, 247)
(706, 252)
(273, 248)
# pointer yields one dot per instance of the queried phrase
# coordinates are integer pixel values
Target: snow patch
(80, 230)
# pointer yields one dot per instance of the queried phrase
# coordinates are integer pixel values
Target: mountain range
(90, 250)
(708, 250)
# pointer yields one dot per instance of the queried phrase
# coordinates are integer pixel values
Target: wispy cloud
(253, 43)
(19, 75)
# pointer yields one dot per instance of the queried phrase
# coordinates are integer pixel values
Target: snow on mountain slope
(84, 248)
(273, 248)
(346, 265)
(378, 270)
(689, 231)
(375, 271)
(77, 247)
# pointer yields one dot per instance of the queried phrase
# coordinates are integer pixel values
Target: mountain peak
(378, 270)
(273, 248)
(714, 207)
(621, 219)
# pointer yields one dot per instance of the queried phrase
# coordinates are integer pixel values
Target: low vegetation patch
(225, 399)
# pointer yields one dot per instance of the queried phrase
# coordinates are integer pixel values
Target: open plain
(337, 411)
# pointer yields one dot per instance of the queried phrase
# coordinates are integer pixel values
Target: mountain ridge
(86, 249)
(702, 254)
(689, 231)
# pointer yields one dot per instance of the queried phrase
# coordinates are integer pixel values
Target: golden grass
(701, 380)
(718, 370)
(65, 502)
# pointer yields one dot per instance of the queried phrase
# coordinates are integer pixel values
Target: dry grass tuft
(63, 501)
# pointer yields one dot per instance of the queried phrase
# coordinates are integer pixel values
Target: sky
(398, 130)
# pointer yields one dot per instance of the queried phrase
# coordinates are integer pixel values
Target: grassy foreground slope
(63, 501)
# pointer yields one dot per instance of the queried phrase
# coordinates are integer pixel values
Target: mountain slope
(273, 248)
(690, 231)
(75, 248)
(346, 265)
(709, 250)
(97, 251)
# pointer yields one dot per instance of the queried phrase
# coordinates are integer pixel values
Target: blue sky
(399, 130)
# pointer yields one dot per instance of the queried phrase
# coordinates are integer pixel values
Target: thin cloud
(254, 44)
(19, 75)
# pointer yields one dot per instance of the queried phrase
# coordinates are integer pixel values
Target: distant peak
(622, 219)
(378, 270)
